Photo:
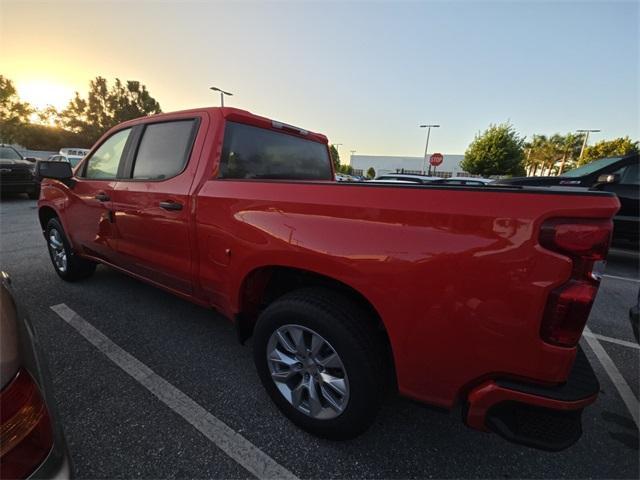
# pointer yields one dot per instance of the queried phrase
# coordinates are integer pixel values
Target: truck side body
(456, 278)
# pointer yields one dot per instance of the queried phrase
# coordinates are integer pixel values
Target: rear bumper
(547, 418)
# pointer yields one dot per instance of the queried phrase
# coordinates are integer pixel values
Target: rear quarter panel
(456, 274)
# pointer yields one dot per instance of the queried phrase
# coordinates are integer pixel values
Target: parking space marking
(616, 277)
(616, 377)
(224, 437)
(617, 341)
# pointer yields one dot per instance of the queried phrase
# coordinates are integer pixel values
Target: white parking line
(617, 341)
(616, 277)
(225, 438)
(616, 377)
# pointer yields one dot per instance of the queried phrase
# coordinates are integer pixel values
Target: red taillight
(586, 242)
(25, 427)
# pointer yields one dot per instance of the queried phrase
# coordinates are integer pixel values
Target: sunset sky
(365, 74)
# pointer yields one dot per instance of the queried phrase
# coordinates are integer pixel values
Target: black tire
(345, 326)
(76, 268)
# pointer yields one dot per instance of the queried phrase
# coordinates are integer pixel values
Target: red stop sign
(436, 159)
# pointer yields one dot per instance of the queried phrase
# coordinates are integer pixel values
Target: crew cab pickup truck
(459, 297)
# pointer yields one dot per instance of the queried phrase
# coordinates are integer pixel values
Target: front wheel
(66, 263)
(318, 358)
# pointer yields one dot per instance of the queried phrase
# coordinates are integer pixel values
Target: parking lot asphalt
(117, 428)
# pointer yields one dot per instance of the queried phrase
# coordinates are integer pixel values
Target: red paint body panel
(456, 274)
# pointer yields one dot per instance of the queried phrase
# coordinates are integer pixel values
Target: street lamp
(222, 94)
(337, 145)
(586, 138)
(426, 147)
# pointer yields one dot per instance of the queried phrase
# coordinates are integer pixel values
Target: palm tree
(571, 149)
(545, 152)
(536, 154)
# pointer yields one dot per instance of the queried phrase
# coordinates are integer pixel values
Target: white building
(388, 164)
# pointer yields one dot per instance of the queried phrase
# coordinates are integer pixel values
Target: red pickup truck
(454, 296)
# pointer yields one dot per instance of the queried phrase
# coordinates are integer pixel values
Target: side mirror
(31, 159)
(56, 170)
(609, 178)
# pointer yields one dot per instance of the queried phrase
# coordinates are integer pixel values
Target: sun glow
(40, 93)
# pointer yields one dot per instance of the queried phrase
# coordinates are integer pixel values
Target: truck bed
(458, 269)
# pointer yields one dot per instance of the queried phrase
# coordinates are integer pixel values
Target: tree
(496, 151)
(569, 146)
(371, 173)
(554, 154)
(335, 157)
(106, 107)
(608, 148)
(47, 137)
(343, 168)
(14, 114)
(48, 115)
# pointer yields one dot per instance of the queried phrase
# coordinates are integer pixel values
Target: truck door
(152, 203)
(89, 217)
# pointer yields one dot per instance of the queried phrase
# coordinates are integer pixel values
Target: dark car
(32, 441)
(620, 175)
(17, 173)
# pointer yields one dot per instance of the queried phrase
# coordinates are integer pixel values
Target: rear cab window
(250, 152)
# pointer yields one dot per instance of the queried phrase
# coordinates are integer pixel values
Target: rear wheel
(319, 360)
(66, 263)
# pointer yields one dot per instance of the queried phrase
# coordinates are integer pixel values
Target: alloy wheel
(308, 372)
(58, 252)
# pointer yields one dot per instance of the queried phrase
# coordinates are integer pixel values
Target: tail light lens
(26, 436)
(586, 243)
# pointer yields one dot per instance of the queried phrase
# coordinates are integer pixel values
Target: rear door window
(164, 150)
(254, 153)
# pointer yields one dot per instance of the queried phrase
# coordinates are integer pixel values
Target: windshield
(8, 153)
(591, 167)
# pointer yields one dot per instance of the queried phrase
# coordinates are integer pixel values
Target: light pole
(222, 94)
(426, 147)
(337, 145)
(586, 139)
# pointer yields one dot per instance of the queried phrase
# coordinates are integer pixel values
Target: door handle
(170, 205)
(103, 197)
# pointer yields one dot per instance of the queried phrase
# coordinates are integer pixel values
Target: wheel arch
(46, 213)
(267, 283)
